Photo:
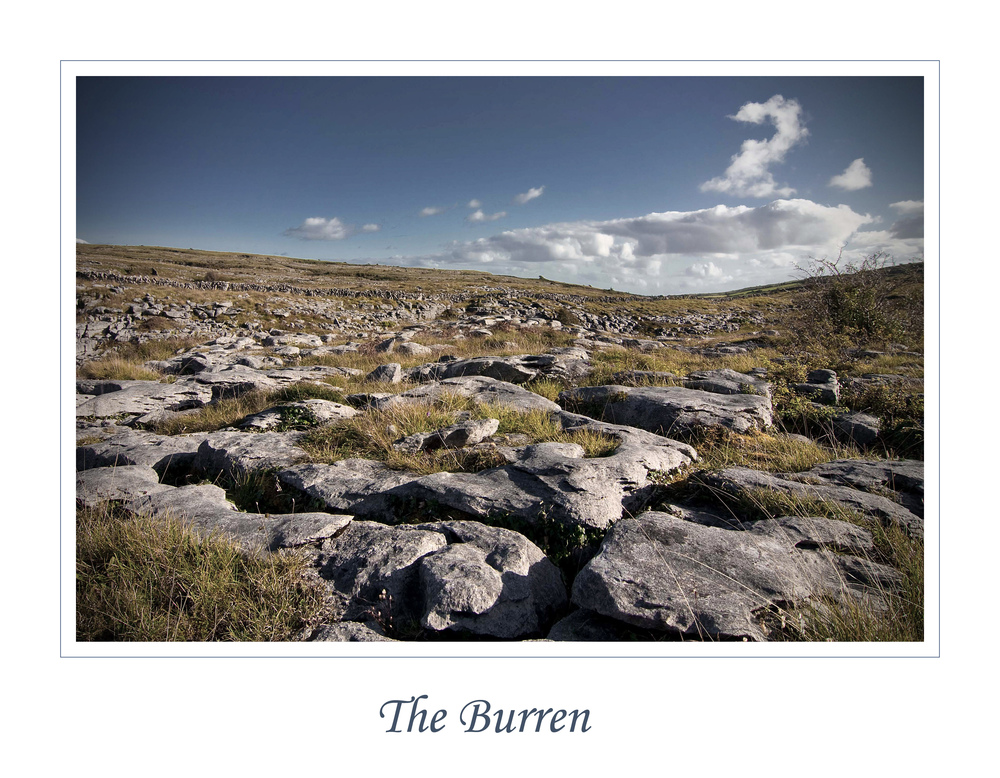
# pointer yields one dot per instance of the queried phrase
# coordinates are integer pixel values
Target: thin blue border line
(111, 656)
(60, 362)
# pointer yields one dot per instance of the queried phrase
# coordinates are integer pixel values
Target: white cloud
(432, 210)
(370, 227)
(748, 173)
(531, 194)
(318, 228)
(81, 240)
(908, 207)
(474, 203)
(856, 176)
(479, 216)
(666, 252)
(704, 270)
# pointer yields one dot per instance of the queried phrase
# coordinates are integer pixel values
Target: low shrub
(860, 303)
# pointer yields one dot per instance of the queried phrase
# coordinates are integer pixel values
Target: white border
(71, 69)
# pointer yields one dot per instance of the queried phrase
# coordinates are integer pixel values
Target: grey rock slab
(904, 477)
(313, 412)
(168, 455)
(125, 483)
(347, 485)
(465, 433)
(741, 482)
(563, 363)
(584, 625)
(348, 632)
(286, 376)
(205, 510)
(480, 389)
(658, 571)
(141, 397)
(670, 410)
(369, 558)
(545, 480)
(231, 381)
(390, 373)
(240, 453)
(727, 382)
(414, 349)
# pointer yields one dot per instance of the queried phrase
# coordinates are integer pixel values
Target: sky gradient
(654, 185)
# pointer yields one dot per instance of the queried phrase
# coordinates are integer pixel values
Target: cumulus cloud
(856, 176)
(81, 240)
(474, 203)
(677, 251)
(479, 216)
(531, 194)
(432, 210)
(318, 228)
(370, 227)
(748, 174)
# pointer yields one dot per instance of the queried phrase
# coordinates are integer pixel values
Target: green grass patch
(777, 453)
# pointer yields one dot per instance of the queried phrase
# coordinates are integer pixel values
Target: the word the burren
(476, 716)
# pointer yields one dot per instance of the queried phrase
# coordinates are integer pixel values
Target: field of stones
(284, 449)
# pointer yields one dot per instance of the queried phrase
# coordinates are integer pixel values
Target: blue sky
(656, 185)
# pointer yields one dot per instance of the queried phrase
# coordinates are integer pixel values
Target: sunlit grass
(143, 579)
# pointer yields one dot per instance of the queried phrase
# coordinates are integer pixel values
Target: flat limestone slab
(670, 410)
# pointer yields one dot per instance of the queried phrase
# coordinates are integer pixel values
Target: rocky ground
(527, 536)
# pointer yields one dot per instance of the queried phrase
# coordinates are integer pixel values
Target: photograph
(536, 364)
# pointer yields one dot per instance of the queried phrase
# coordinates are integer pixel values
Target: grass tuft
(139, 579)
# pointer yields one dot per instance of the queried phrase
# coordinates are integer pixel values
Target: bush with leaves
(859, 302)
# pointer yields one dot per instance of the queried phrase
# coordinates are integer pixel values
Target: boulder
(489, 581)
(811, 485)
(306, 413)
(860, 429)
(465, 433)
(821, 385)
(445, 576)
(391, 373)
(238, 454)
(660, 572)
(670, 410)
